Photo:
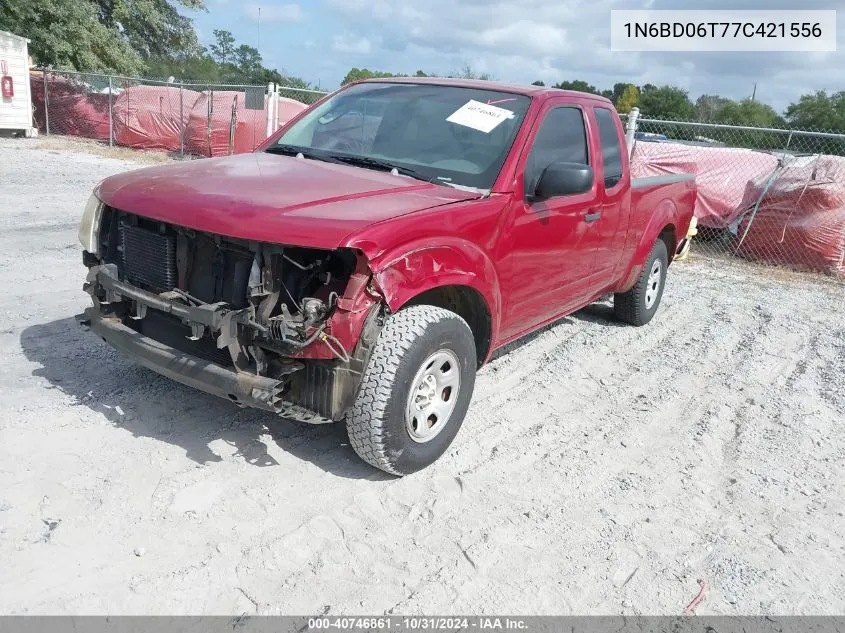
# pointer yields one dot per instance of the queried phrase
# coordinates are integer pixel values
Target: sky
(517, 41)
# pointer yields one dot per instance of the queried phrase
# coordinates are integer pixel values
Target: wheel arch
(466, 302)
(661, 225)
(452, 274)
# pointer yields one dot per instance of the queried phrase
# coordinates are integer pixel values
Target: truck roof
(483, 84)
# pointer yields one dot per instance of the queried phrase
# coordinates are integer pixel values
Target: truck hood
(271, 198)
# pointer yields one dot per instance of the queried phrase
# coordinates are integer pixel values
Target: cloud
(291, 12)
(347, 43)
(555, 40)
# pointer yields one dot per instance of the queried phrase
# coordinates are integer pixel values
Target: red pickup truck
(364, 261)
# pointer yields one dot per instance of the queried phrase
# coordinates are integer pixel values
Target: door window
(562, 137)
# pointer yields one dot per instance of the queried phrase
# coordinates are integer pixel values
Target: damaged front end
(281, 328)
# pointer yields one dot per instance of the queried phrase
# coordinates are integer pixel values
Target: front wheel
(415, 391)
(638, 305)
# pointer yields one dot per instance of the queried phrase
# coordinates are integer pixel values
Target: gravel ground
(601, 469)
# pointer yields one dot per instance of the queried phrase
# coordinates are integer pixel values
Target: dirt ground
(602, 469)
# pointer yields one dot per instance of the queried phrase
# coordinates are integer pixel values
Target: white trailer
(15, 97)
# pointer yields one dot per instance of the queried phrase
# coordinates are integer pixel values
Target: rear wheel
(638, 305)
(415, 391)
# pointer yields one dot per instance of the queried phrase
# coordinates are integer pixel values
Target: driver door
(552, 241)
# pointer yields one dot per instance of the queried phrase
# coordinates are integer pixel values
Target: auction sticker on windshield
(479, 116)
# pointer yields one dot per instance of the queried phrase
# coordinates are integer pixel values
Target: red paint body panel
(530, 262)
(272, 198)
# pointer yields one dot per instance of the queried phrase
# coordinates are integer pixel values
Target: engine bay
(214, 296)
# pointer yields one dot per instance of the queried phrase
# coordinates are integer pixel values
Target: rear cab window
(611, 146)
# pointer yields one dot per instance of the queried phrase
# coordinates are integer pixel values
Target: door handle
(592, 217)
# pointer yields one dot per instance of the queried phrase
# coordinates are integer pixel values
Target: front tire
(415, 391)
(638, 305)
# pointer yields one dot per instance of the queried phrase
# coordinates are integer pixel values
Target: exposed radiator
(149, 258)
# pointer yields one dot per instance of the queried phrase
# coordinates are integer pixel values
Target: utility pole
(754, 93)
(259, 31)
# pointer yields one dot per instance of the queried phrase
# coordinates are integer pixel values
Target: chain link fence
(184, 118)
(773, 196)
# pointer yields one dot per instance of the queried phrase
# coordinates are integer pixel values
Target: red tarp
(721, 174)
(289, 108)
(151, 117)
(250, 125)
(800, 220)
(73, 108)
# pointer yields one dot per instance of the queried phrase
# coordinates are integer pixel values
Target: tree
(101, 35)
(749, 112)
(618, 91)
(248, 61)
(151, 27)
(628, 99)
(666, 102)
(223, 50)
(467, 72)
(69, 34)
(818, 111)
(579, 85)
(201, 67)
(538, 83)
(708, 108)
(357, 74)
(295, 82)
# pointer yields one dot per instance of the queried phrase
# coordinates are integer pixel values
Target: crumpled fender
(407, 271)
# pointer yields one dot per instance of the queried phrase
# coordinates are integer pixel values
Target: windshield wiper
(293, 150)
(375, 163)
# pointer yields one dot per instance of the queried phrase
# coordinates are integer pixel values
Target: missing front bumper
(241, 388)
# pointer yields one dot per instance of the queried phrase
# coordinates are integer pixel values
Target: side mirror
(563, 179)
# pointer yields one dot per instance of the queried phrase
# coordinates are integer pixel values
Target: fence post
(181, 122)
(232, 123)
(276, 107)
(46, 105)
(111, 123)
(631, 129)
(208, 121)
(268, 122)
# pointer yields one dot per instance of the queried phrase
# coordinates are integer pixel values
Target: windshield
(442, 134)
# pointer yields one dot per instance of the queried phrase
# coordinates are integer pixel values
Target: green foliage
(708, 108)
(629, 99)
(70, 34)
(666, 102)
(749, 112)
(818, 111)
(579, 85)
(225, 61)
(151, 27)
(538, 83)
(117, 36)
(467, 72)
(617, 92)
(357, 74)
(223, 49)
